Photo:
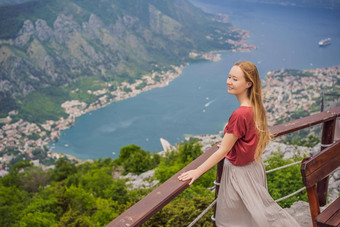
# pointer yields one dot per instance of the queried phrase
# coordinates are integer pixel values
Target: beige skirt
(243, 199)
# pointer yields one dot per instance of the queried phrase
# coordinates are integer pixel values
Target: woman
(243, 198)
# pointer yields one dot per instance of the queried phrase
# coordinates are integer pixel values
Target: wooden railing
(162, 195)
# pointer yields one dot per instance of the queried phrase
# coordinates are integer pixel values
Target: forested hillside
(93, 194)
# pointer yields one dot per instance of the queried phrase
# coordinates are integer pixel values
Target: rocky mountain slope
(53, 42)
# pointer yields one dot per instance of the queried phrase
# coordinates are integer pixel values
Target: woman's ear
(249, 84)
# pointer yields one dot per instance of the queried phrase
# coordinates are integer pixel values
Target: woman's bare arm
(228, 142)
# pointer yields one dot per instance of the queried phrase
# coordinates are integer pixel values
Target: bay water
(197, 102)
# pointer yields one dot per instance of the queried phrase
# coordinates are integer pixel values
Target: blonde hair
(254, 94)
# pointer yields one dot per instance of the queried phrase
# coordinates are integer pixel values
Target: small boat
(325, 42)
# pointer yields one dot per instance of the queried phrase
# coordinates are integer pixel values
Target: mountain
(48, 43)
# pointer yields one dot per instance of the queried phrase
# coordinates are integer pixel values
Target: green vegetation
(285, 181)
(7, 104)
(78, 90)
(135, 160)
(89, 195)
(305, 137)
(42, 105)
(45, 104)
(309, 140)
(83, 196)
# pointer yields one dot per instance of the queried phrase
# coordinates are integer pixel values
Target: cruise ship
(325, 42)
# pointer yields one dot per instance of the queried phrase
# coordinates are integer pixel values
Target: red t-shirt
(242, 124)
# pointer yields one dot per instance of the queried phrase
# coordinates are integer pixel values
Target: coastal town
(24, 139)
(287, 92)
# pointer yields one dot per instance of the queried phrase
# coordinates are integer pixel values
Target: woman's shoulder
(243, 110)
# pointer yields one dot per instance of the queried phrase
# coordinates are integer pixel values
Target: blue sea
(197, 101)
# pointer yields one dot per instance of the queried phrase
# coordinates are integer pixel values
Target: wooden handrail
(162, 195)
(305, 122)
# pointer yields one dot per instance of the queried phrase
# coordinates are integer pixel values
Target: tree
(188, 151)
(34, 178)
(106, 211)
(13, 178)
(135, 160)
(101, 184)
(38, 219)
(78, 199)
(117, 191)
(63, 169)
(20, 165)
(96, 181)
(75, 218)
(45, 202)
(78, 205)
(12, 202)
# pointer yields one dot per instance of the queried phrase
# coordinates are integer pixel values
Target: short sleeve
(236, 125)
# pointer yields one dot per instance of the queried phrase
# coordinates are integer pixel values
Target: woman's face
(236, 81)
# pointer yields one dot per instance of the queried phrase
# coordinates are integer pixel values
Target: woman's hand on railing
(227, 142)
(191, 174)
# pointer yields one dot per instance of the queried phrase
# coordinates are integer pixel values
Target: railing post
(326, 139)
(219, 171)
(313, 203)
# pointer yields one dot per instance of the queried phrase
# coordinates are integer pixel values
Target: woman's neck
(243, 100)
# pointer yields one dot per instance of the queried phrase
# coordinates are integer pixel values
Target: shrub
(136, 160)
(285, 181)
